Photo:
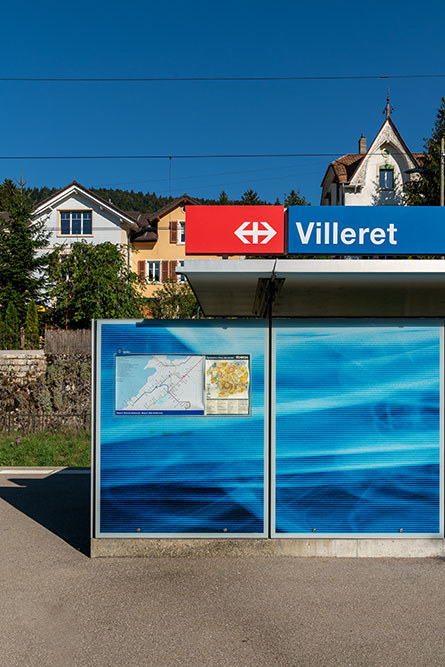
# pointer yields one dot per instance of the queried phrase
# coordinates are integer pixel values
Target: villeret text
(328, 233)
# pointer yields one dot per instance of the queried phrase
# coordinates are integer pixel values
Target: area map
(159, 384)
(148, 384)
(227, 384)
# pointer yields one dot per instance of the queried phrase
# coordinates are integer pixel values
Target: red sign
(234, 230)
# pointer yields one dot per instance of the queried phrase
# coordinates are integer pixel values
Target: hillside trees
(424, 191)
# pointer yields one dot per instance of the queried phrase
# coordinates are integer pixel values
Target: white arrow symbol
(255, 232)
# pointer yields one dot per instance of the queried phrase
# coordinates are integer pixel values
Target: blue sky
(243, 38)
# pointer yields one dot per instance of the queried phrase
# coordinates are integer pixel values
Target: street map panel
(159, 384)
(227, 385)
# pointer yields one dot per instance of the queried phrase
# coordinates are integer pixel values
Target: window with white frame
(181, 232)
(76, 223)
(153, 271)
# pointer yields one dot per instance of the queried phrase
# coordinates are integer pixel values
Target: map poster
(148, 384)
(227, 385)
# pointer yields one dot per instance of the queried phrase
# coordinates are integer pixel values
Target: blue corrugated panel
(180, 474)
(357, 428)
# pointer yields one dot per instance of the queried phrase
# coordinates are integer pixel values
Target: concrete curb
(298, 547)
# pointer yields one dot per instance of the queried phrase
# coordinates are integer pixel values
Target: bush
(32, 338)
(11, 329)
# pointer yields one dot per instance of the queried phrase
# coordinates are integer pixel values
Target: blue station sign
(366, 230)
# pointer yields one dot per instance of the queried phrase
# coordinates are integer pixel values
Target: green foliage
(22, 268)
(92, 281)
(46, 449)
(424, 191)
(174, 300)
(11, 328)
(250, 198)
(295, 199)
(32, 338)
(143, 202)
(223, 198)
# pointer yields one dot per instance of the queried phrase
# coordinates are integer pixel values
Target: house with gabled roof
(159, 246)
(374, 176)
(74, 213)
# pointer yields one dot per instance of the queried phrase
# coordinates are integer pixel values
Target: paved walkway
(60, 608)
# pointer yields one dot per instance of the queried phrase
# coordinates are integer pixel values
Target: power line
(171, 79)
(180, 157)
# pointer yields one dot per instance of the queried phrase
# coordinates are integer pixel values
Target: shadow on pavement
(59, 502)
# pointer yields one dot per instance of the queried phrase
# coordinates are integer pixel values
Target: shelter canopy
(318, 288)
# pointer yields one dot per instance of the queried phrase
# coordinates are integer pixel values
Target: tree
(294, 199)
(250, 198)
(11, 328)
(223, 198)
(22, 266)
(32, 338)
(424, 190)
(174, 300)
(92, 281)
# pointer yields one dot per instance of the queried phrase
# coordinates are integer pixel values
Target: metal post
(442, 171)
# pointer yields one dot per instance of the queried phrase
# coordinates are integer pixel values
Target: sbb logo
(234, 230)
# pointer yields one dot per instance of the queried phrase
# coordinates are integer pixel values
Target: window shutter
(173, 231)
(172, 269)
(164, 270)
(141, 269)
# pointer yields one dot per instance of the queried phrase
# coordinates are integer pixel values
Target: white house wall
(365, 190)
(106, 226)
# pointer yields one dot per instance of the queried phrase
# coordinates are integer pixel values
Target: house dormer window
(76, 223)
(386, 177)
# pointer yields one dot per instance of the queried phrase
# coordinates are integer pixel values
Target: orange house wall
(162, 249)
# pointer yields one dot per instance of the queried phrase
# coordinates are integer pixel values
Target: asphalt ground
(59, 607)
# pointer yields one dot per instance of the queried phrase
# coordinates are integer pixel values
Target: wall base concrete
(341, 548)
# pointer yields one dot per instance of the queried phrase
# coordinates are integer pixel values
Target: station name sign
(315, 230)
(234, 230)
(366, 230)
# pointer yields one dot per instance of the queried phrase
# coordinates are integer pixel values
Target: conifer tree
(11, 335)
(294, 199)
(32, 338)
(424, 190)
(22, 261)
(250, 198)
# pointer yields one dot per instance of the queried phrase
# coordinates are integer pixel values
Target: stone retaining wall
(20, 367)
(36, 388)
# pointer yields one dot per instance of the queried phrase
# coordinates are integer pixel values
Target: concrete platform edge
(341, 548)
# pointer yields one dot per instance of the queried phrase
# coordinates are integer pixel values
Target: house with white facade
(374, 176)
(74, 213)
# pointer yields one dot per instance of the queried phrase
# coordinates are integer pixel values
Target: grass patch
(45, 449)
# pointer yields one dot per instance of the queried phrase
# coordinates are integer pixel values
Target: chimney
(362, 145)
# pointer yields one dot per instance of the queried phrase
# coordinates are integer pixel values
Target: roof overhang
(319, 288)
(74, 189)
